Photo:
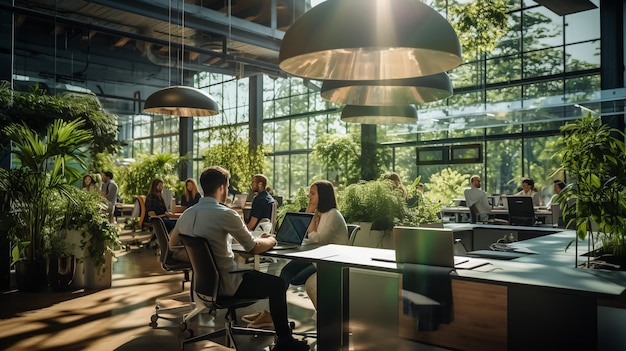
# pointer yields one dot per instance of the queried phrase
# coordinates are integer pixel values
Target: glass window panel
(280, 174)
(504, 69)
(229, 116)
(542, 29)
(543, 62)
(511, 42)
(229, 95)
(542, 90)
(298, 172)
(583, 88)
(582, 56)
(504, 94)
(269, 136)
(582, 26)
(282, 88)
(268, 88)
(281, 107)
(539, 163)
(299, 133)
(299, 104)
(466, 75)
(243, 96)
(268, 109)
(503, 162)
(282, 136)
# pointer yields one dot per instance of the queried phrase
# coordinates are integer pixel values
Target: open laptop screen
(426, 246)
(294, 227)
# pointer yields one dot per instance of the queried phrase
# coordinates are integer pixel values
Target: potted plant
(98, 238)
(376, 206)
(593, 155)
(30, 189)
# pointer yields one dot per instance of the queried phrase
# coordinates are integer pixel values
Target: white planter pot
(367, 237)
(73, 238)
(95, 278)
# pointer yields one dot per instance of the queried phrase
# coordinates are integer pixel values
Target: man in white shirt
(476, 196)
(219, 224)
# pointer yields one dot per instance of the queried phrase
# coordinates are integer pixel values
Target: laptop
(291, 232)
(239, 201)
(426, 246)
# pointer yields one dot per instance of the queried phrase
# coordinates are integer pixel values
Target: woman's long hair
(190, 195)
(153, 187)
(326, 196)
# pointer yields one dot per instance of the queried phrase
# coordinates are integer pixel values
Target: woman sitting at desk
(528, 189)
(155, 205)
(191, 195)
(327, 227)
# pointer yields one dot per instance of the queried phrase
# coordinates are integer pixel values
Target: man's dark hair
(108, 174)
(326, 195)
(560, 184)
(529, 181)
(212, 178)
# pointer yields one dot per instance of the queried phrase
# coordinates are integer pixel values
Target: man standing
(476, 196)
(109, 191)
(262, 204)
(219, 224)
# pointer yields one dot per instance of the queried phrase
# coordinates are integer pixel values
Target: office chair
(353, 229)
(169, 264)
(521, 210)
(474, 217)
(205, 283)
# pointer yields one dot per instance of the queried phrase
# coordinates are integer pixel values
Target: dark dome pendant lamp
(181, 100)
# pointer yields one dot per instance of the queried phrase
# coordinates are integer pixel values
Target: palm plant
(46, 170)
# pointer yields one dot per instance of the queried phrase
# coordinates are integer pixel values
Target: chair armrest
(176, 247)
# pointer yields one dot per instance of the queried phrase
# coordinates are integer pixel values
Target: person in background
(528, 189)
(557, 187)
(191, 196)
(262, 203)
(109, 191)
(89, 184)
(397, 182)
(219, 225)
(327, 227)
(476, 196)
(155, 205)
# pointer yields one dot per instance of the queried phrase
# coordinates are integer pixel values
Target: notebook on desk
(425, 246)
(291, 232)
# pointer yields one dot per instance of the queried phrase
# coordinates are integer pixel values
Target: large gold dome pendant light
(406, 114)
(419, 90)
(180, 100)
(369, 40)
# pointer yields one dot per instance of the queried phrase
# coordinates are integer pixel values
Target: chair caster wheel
(182, 326)
(292, 325)
(153, 320)
(188, 334)
(154, 325)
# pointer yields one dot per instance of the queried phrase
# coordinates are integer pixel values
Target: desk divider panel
(479, 319)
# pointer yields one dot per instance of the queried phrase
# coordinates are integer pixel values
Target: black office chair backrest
(473, 214)
(162, 237)
(206, 277)
(521, 210)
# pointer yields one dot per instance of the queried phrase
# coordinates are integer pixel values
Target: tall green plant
(231, 151)
(446, 185)
(341, 154)
(593, 154)
(46, 171)
(373, 201)
(135, 179)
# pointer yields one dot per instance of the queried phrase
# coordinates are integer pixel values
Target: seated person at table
(476, 196)
(528, 189)
(327, 227)
(219, 224)
(262, 203)
(191, 195)
(557, 187)
(155, 205)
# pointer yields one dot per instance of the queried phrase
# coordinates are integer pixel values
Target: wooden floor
(118, 318)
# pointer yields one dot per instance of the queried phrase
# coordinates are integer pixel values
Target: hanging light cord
(182, 41)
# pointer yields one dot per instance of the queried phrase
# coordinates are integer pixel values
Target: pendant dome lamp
(406, 114)
(181, 100)
(369, 40)
(419, 90)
